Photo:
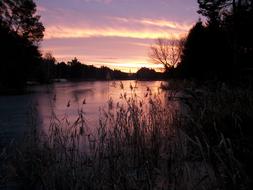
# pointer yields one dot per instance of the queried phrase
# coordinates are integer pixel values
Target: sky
(113, 33)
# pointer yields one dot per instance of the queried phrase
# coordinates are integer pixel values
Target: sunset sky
(113, 33)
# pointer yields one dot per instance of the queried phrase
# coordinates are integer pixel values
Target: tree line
(75, 70)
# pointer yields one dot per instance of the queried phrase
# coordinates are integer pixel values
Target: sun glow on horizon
(124, 65)
(116, 34)
(120, 62)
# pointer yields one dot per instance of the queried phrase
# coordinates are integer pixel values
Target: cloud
(125, 32)
(156, 22)
(143, 28)
(68, 32)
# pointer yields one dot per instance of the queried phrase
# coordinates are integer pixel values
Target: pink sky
(113, 33)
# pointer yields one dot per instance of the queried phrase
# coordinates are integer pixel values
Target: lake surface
(65, 100)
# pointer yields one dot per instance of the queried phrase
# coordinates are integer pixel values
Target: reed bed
(197, 141)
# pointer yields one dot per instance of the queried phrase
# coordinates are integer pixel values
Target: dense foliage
(223, 46)
(20, 33)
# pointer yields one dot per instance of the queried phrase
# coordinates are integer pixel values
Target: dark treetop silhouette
(221, 48)
(20, 33)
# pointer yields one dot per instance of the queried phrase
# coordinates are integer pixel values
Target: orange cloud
(70, 32)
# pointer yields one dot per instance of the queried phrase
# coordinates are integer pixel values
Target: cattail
(68, 105)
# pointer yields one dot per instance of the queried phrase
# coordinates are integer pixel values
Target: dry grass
(141, 144)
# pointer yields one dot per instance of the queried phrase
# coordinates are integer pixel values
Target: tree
(47, 68)
(62, 70)
(76, 68)
(239, 27)
(48, 57)
(206, 53)
(17, 61)
(234, 18)
(213, 10)
(147, 74)
(222, 47)
(193, 54)
(20, 33)
(20, 17)
(166, 52)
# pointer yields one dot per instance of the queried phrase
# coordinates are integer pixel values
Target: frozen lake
(64, 99)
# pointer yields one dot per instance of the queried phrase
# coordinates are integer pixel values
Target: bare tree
(167, 52)
(48, 56)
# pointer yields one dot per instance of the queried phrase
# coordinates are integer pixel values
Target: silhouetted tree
(20, 17)
(213, 10)
(75, 68)
(239, 28)
(236, 26)
(62, 70)
(20, 33)
(206, 53)
(193, 57)
(17, 61)
(47, 70)
(166, 52)
(147, 74)
(223, 47)
(117, 74)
